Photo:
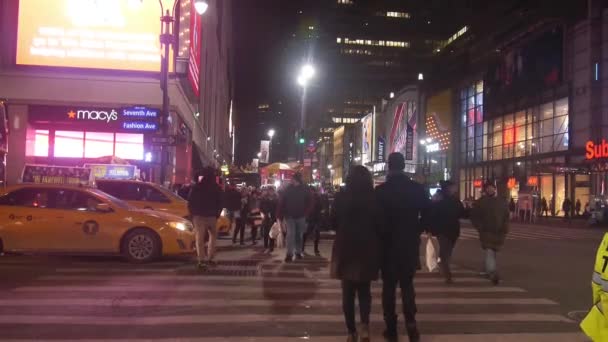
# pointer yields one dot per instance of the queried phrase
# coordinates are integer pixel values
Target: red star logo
(71, 114)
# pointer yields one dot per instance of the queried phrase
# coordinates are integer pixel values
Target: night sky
(264, 63)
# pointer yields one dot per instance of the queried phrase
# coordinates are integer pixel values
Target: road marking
(134, 287)
(256, 302)
(316, 278)
(245, 318)
(525, 337)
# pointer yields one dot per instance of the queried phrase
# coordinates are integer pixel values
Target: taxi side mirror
(103, 208)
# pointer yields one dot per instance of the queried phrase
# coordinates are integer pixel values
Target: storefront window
(69, 144)
(130, 146)
(37, 143)
(98, 144)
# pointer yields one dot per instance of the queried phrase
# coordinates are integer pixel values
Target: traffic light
(301, 141)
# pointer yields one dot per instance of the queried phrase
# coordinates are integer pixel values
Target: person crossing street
(404, 205)
(205, 206)
(490, 216)
(294, 206)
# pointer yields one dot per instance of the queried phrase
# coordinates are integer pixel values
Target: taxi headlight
(178, 225)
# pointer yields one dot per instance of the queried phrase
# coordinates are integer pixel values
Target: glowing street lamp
(271, 133)
(201, 6)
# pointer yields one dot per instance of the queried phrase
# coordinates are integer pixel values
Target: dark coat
(205, 199)
(356, 252)
(295, 203)
(445, 217)
(232, 200)
(405, 206)
(491, 217)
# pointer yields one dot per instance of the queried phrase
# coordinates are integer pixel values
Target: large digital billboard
(108, 34)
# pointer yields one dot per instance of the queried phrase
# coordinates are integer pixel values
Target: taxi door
(84, 227)
(28, 222)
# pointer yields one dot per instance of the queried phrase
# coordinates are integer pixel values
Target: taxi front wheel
(141, 245)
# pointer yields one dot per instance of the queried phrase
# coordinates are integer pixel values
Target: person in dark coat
(232, 203)
(294, 206)
(490, 215)
(544, 207)
(356, 253)
(205, 206)
(567, 207)
(314, 222)
(405, 207)
(446, 215)
(577, 207)
(269, 210)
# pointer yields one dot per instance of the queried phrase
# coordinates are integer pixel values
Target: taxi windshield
(115, 201)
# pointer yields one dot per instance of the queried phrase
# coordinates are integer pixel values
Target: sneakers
(317, 253)
(299, 256)
(202, 266)
(364, 336)
(288, 258)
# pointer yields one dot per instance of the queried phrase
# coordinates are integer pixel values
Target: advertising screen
(366, 148)
(109, 34)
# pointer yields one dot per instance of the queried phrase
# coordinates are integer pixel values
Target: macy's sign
(95, 115)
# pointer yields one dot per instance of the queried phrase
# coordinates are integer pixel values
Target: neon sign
(596, 151)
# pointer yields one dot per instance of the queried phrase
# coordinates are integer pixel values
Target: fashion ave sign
(126, 119)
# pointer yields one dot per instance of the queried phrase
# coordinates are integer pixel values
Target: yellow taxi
(75, 220)
(152, 196)
(144, 195)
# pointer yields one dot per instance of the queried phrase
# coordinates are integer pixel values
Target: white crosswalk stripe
(256, 299)
(538, 233)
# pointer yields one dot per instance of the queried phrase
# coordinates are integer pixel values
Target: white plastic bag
(275, 230)
(280, 241)
(432, 252)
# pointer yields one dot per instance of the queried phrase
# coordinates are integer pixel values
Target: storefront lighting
(433, 161)
(518, 163)
(422, 142)
(148, 157)
(429, 140)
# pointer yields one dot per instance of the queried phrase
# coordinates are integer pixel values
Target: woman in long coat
(356, 254)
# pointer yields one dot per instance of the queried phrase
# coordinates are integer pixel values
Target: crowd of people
(378, 232)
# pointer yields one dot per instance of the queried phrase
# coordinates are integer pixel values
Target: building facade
(86, 89)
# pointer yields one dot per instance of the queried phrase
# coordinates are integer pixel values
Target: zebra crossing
(251, 297)
(532, 232)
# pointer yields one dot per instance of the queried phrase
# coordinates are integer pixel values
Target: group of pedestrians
(378, 233)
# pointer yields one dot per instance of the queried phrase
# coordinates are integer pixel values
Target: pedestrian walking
(314, 222)
(232, 203)
(544, 207)
(567, 207)
(356, 257)
(240, 218)
(255, 215)
(512, 207)
(405, 205)
(445, 219)
(205, 206)
(269, 210)
(577, 207)
(294, 206)
(491, 218)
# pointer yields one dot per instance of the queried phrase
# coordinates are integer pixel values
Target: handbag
(432, 251)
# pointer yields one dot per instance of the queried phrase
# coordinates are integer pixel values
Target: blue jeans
(295, 232)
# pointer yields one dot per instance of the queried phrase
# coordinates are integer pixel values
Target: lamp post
(167, 40)
(271, 132)
(307, 72)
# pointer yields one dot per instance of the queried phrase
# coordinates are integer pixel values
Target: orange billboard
(108, 34)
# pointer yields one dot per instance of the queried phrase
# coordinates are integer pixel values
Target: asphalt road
(253, 297)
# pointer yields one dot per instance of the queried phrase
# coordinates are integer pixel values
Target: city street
(253, 297)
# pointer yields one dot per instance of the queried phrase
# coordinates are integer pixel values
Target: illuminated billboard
(109, 34)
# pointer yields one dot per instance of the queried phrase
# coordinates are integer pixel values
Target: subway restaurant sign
(596, 151)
